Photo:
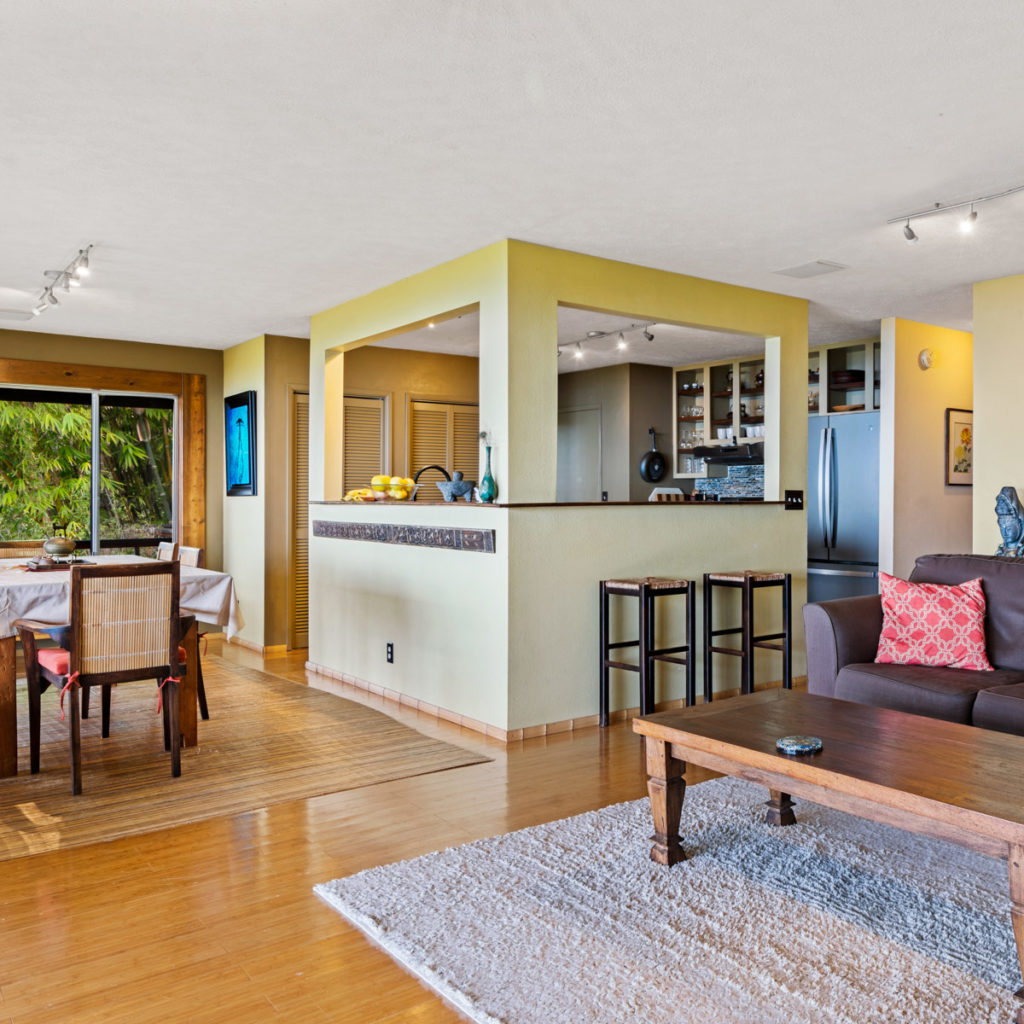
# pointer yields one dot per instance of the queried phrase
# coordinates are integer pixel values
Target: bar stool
(748, 581)
(646, 589)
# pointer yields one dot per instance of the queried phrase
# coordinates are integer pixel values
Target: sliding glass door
(136, 478)
(100, 466)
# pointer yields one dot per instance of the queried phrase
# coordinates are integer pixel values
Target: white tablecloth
(43, 596)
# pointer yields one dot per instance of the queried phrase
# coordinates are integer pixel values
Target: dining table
(207, 596)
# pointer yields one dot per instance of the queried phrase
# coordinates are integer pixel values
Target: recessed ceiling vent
(815, 269)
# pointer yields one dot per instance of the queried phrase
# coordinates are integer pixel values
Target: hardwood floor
(216, 921)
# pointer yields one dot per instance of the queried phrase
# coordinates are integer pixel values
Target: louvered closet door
(441, 434)
(363, 442)
(465, 449)
(298, 569)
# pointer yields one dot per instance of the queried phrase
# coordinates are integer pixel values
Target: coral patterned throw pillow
(932, 624)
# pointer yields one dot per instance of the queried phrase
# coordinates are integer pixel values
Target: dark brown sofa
(842, 638)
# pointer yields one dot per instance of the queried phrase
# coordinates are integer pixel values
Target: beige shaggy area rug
(832, 920)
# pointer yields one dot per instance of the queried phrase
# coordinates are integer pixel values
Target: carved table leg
(780, 809)
(1015, 863)
(666, 787)
(188, 689)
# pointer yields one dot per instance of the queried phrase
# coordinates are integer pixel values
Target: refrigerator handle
(821, 487)
(830, 520)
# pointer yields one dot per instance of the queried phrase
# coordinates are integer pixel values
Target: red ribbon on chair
(72, 681)
(160, 692)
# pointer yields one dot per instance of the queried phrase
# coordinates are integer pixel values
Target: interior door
(579, 455)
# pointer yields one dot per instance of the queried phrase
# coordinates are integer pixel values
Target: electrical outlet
(795, 500)
(391, 654)
(604, 495)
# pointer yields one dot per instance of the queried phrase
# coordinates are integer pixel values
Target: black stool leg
(646, 646)
(691, 629)
(707, 639)
(747, 658)
(603, 619)
(787, 627)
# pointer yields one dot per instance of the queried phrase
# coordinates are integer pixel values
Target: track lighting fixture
(621, 343)
(968, 222)
(66, 279)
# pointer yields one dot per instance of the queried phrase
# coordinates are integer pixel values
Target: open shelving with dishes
(844, 378)
(716, 404)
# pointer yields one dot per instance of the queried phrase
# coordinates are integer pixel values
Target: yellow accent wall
(510, 639)
(256, 526)
(918, 513)
(245, 515)
(998, 371)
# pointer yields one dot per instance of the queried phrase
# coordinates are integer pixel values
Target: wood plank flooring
(216, 922)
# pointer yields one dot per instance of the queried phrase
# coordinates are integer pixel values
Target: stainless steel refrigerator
(842, 506)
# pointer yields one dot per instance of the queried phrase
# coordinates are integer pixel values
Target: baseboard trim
(511, 735)
(269, 650)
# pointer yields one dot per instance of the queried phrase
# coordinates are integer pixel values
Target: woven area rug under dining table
(268, 740)
(834, 919)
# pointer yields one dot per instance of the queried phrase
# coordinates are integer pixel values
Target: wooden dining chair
(167, 551)
(123, 627)
(20, 548)
(192, 557)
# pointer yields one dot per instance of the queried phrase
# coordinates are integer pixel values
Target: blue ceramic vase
(488, 489)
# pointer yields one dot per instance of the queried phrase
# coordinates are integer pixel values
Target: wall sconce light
(926, 359)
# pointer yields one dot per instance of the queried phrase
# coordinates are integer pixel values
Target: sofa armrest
(838, 633)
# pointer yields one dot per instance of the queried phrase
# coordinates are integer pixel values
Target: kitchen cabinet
(844, 378)
(719, 403)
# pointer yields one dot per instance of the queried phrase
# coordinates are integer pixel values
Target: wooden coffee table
(941, 779)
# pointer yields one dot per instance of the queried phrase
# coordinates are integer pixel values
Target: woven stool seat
(633, 585)
(739, 577)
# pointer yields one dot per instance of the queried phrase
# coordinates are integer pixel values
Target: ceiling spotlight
(622, 342)
(648, 336)
(50, 297)
(595, 334)
(430, 324)
(908, 233)
(82, 263)
(579, 351)
(967, 224)
(40, 308)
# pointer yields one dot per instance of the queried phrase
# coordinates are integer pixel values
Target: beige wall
(606, 389)
(400, 376)
(650, 405)
(287, 371)
(245, 515)
(918, 513)
(60, 348)
(998, 370)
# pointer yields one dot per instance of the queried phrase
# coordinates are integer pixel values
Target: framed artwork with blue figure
(240, 442)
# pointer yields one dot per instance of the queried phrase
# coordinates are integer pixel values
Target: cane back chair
(124, 626)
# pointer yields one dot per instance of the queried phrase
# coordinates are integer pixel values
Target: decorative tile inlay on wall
(419, 536)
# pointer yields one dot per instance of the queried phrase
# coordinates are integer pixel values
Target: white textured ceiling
(240, 166)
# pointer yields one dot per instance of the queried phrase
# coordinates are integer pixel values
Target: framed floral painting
(959, 447)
